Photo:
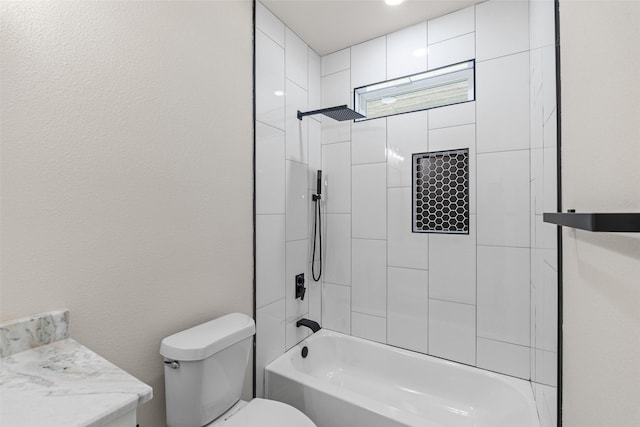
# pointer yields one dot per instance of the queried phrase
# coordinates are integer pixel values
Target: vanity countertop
(65, 384)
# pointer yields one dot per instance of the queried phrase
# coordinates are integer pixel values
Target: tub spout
(309, 324)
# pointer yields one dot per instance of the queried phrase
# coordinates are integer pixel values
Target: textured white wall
(600, 151)
(127, 171)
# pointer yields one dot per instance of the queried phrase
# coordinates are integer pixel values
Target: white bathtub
(350, 382)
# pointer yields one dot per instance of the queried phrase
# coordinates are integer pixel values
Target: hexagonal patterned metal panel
(441, 192)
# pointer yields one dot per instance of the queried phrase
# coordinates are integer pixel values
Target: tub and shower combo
(344, 381)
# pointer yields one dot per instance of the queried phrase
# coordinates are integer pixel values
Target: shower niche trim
(440, 202)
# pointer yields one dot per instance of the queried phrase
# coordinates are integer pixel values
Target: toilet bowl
(204, 370)
(263, 413)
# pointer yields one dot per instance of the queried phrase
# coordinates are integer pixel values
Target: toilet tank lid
(202, 341)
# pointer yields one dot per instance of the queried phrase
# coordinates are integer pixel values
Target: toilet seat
(267, 413)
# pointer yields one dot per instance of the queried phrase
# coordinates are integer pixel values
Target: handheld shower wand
(317, 228)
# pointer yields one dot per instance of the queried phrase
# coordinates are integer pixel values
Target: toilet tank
(209, 374)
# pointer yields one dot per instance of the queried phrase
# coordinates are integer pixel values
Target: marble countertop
(65, 384)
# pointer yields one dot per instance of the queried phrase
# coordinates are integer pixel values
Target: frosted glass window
(453, 84)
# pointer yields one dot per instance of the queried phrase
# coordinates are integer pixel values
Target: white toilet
(204, 372)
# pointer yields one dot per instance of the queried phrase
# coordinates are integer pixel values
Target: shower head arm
(330, 112)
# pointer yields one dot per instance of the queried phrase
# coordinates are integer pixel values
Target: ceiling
(331, 25)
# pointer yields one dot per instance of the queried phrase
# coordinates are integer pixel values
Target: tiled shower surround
(487, 298)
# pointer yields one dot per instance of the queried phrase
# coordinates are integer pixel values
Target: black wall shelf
(599, 222)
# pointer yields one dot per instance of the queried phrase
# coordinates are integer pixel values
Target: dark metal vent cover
(441, 192)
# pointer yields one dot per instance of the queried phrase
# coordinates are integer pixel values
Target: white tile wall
(549, 80)
(406, 134)
(269, 81)
(315, 151)
(270, 264)
(502, 28)
(296, 59)
(408, 308)
(406, 249)
(369, 141)
(336, 163)
(503, 357)
(452, 331)
(337, 61)
(369, 327)
(407, 51)
(369, 201)
(369, 62)
(503, 198)
(336, 89)
(337, 255)
(296, 264)
(503, 294)
(502, 105)
(269, 24)
(355, 296)
(369, 276)
(548, 312)
(336, 308)
(270, 170)
(452, 115)
(296, 201)
(270, 339)
(315, 82)
(452, 51)
(296, 130)
(541, 23)
(452, 25)
(452, 266)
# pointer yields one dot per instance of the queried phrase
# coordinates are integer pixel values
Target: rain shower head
(339, 113)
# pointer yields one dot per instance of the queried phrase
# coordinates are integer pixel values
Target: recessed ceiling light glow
(393, 2)
(388, 100)
(420, 52)
(278, 93)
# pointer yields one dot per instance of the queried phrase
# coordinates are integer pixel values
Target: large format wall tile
(270, 170)
(296, 201)
(296, 59)
(502, 103)
(502, 28)
(369, 201)
(269, 81)
(269, 24)
(270, 258)
(452, 51)
(406, 249)
(452, 115)
(296, 130)
(369, 327)
(452, 331)
(452, 266)
(270, 339)
(503, 357)
(369, 62)
(337, 249)
(369, 276)
(369, 141)
(407, 51)
(503, 198)
(336, 307)
(452, 25)
(407, 308)
(406, 135)
(336, 164)
(336, 61)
